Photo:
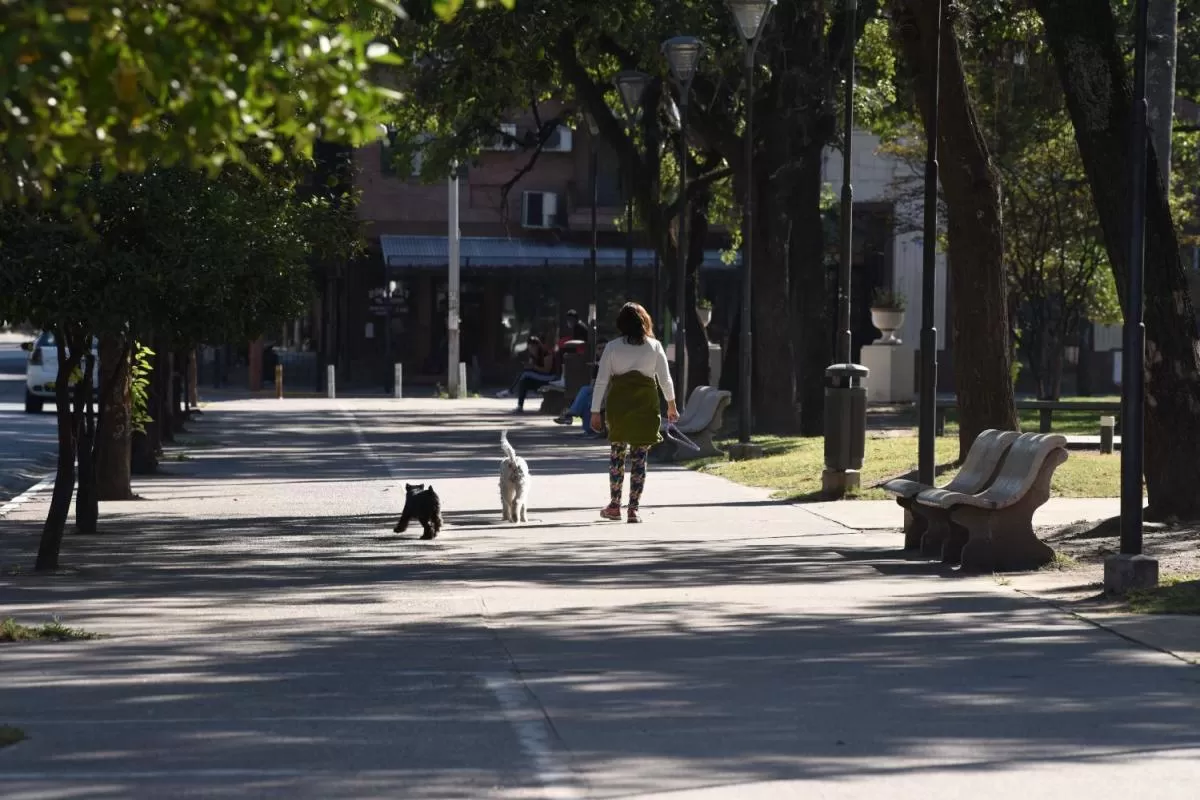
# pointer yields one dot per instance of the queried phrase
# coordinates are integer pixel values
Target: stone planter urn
(704, 314)
(888, 321)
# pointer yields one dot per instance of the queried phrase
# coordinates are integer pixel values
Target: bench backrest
(691, 410)
(983, 461)
(1022, 465)
(703, 409)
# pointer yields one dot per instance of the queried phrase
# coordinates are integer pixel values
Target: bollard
(279, 381)
(397, 381)
(462, 379)
(330, 381)
(1107, 426)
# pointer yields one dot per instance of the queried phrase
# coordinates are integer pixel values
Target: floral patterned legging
(637, 472)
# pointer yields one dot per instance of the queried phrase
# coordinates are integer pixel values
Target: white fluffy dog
(514, 482)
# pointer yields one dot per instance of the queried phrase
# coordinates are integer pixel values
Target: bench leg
(704, 440)
(914, 523)
(953, 543)
(1004, 541)
(937, 531)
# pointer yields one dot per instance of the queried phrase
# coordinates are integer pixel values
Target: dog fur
(422, 503)
(514, 482)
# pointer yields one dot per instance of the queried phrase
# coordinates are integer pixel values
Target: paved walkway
(267, 635)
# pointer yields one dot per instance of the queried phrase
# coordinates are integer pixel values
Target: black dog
(421, 502)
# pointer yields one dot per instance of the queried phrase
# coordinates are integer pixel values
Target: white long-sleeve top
(620, 357)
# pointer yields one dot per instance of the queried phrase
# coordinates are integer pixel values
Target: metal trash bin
(845, 416)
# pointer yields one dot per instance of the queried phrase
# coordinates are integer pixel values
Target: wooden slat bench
(993, 529)
(926, 528)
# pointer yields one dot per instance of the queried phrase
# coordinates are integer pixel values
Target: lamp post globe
(683, 55)
(631, 85)
(751, 15)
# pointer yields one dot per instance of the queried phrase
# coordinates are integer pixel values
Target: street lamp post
(845, 394)
(594, 306)
(1131, 569)
(683, 54)
(751, 17)
(927, 414)
(630, 84)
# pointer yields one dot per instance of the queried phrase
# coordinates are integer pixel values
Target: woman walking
(632, 371)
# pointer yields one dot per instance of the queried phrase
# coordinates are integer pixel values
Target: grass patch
(1061, 563)
(13, 631)
(1178, 594)
(793, 467)
(1068, 423)
(10, 735)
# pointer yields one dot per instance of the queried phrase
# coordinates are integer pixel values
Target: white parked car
(41, 372)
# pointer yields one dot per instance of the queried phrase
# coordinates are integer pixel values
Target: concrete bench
(927, 529)
(558, 395)
(701, 420)
(993, 530)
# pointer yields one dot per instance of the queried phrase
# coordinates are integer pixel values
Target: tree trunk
(164, 396)
(193, 382)
(113, 446)
(1083, 37)
(811, 291)
(1160, 80)
(64, 479)
(178, 391)
(731, 365)
(697, 340)
(979, 291)
(87, 507)
(773, 395)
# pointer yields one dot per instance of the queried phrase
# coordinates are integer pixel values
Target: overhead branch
(535, 140)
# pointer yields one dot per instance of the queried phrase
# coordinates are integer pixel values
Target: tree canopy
(139, 83)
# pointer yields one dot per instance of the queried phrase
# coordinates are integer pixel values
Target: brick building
(524, 261)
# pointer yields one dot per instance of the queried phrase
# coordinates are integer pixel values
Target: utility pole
(452, 290)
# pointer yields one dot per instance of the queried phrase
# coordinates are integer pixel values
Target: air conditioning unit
(560, 140)
(507, 142)
(539, 209)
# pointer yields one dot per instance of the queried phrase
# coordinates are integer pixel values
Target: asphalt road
(267, 635)
(27, 441)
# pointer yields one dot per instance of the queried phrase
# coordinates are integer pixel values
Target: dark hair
(634, 324)
(533, 340)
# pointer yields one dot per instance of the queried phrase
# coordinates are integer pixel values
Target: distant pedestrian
(633, 370)
(575, 331)
(539, 370)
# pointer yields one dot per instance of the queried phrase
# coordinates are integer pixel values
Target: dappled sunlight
(261, 616)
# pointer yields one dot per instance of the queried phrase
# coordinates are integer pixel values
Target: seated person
(575, 331)
(582, 404)
(539, 370)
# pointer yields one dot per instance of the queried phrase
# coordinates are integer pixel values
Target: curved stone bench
(993, 529)
(701, 420)
(928, 530)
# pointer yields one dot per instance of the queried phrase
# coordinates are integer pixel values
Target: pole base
(836, 483)
(745, 452)
(1125, 573)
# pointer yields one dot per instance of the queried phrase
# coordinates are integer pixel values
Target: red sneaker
(611, 512)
